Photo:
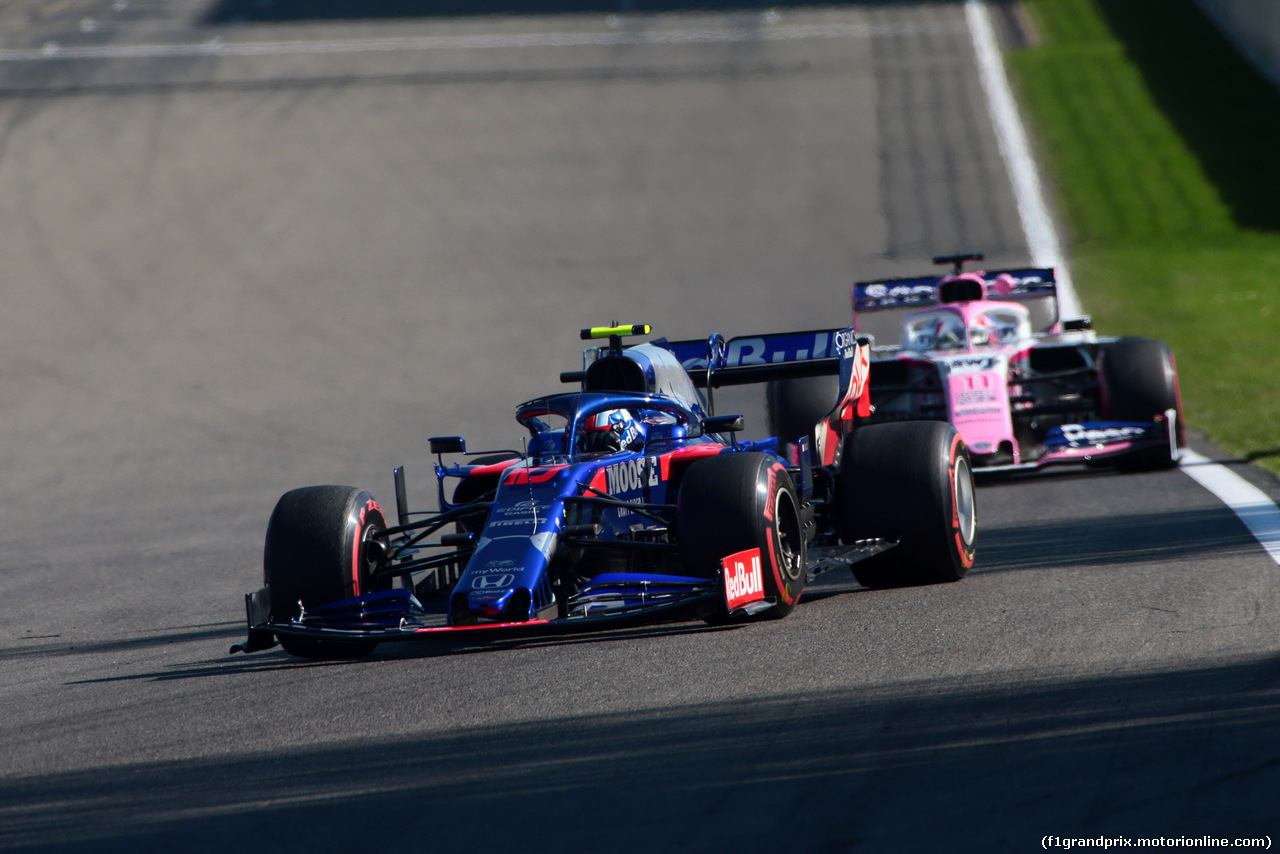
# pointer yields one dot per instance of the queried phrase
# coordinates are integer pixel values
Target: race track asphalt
(243, 257)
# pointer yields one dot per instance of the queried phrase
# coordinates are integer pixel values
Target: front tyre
(316, 552)
(1139, 383)
(909, 481)
(739, 501)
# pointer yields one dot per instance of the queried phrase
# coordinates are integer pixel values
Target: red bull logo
(743, 578)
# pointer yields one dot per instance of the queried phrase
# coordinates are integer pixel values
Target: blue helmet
(610, 431)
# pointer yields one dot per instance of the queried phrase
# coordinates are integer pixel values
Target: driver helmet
(612, 430)
(948, 334)
(985, 331)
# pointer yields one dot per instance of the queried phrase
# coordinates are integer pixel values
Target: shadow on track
(1107, 541)
(55, 645)
(437, 646)
(987, 765)
(260, 11)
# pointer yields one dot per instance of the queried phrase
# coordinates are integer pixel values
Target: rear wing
(745, 359)
(879, 306)
(748, 359)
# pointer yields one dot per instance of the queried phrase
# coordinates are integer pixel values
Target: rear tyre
(795, 406)
(317, 552)
(1139, 382)
(909, 481)
(738, 501)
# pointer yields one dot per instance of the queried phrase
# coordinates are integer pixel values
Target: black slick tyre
(317, 552)
(1140, 382)
(739, 501)
(912, 482)
(795, 406)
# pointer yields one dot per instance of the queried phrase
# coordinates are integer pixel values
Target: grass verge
(1163, 149)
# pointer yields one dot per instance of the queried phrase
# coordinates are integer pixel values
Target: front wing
(1094, 441)
(607, 601)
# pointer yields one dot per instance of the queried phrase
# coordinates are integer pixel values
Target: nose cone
(510, 605)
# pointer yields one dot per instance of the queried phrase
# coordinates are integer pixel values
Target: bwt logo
(971, 363)
(497, 582)
(898, 292)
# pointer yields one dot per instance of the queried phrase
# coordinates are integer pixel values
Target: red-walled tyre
(317, 552)
(739, 501)
(909, 481)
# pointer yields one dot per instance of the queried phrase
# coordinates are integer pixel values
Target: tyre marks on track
(219, 48)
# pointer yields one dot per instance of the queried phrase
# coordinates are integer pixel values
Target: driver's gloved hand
(600, 442)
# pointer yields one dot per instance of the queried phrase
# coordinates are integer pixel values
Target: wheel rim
(370, 556)
(786, 527)
(965, 504)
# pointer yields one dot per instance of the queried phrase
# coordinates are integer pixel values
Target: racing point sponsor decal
(743, 578)
(967, 398)
(886, 294)
(1081, 435)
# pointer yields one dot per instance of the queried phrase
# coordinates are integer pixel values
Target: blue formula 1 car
(629, 502)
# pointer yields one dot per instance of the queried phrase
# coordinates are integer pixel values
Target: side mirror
(722, 424)
(447, 445)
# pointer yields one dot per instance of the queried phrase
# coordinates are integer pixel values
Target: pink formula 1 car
(987, 352)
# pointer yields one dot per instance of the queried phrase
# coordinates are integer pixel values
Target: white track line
(1037, 224)
(1257, 511)
(220, 48)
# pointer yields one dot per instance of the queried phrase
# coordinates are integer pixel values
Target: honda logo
(495, 582)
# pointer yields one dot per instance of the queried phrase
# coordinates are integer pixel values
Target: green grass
(1163, 150)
